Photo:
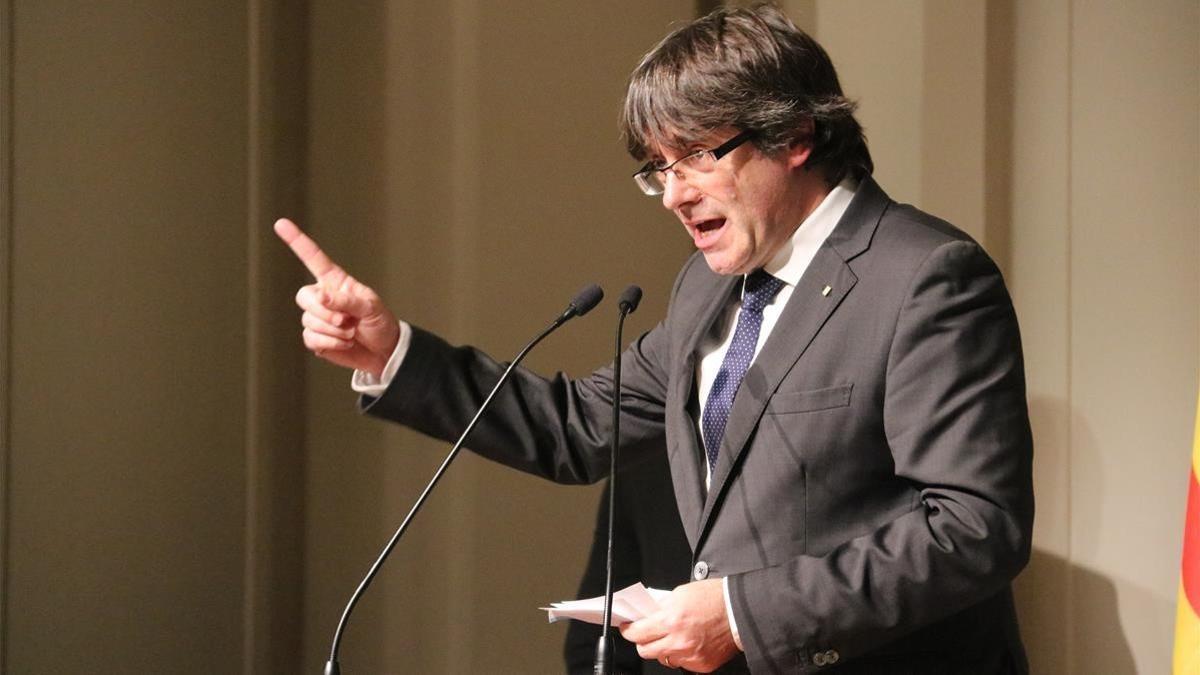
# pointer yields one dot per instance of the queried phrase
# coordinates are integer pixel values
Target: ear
(800, 147)
(797, 153)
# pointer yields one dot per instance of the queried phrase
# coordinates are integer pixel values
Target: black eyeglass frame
(717, 153)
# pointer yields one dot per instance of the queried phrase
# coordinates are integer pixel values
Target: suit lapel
(685, 447)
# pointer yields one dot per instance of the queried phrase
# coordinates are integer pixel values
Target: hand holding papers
(629, 604)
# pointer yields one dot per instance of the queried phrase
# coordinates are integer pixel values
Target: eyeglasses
(653, 179)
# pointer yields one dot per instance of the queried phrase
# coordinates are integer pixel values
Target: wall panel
(1038, 277)
(127, 332)
(1134, 279)
(6, 112)
(150, 522)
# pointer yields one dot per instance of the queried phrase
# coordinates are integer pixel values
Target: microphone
(630, 298)
(581, 304)
(626, 305)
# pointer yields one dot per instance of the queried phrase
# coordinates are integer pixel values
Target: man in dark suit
(838, 382)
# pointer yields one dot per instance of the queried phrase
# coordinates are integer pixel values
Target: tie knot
(760, 289)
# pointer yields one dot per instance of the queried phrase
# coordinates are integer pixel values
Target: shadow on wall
(1070, 616)
(1053, 626)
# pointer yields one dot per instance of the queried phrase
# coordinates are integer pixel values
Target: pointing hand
(345, 322)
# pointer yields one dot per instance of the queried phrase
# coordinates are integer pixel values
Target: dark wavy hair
(751, 69)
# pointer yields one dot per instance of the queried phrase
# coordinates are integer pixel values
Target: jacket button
(700, 572)
(831, 656)
(818, 659)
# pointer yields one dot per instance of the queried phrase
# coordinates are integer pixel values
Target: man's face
(740, 213)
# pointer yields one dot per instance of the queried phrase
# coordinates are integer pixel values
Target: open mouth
(706, 229)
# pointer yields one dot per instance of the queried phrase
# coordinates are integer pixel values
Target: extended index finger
(305, 248)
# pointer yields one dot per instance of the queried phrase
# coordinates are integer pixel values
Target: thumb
(353, 304)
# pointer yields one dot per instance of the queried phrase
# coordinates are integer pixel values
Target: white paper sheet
(629, 604)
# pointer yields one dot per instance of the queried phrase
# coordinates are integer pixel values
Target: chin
(723, 267)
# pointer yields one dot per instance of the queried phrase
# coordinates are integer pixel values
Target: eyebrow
(687, 150)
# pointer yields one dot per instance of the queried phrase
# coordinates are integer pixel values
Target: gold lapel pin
(825, 291)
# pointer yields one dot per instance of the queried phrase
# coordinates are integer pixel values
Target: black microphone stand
(584, 301)
(604, 645)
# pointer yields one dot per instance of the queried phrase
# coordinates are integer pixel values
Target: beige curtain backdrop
(183, 490)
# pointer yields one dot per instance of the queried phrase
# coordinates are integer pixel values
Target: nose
(677, 192)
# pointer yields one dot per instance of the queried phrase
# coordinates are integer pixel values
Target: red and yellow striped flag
(1187, 612)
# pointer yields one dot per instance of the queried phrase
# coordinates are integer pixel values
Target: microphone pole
(582, 303)
(604, 646)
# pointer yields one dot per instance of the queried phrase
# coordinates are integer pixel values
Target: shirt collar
(793, 257)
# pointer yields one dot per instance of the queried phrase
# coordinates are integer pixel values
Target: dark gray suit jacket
(872, 499)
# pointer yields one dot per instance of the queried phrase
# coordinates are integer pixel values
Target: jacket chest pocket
(790, 402)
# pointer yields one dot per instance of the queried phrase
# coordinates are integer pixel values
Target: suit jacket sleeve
(558, 428)
(956, 423)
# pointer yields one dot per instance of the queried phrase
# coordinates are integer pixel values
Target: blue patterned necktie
(760, 289)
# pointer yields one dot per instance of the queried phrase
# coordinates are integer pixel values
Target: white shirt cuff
(367, 383)
(737, 639)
